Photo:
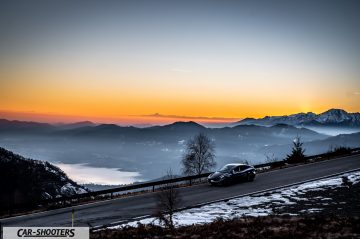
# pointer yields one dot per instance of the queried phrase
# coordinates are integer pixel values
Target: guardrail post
(72, 217)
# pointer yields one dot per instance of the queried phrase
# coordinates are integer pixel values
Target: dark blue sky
(260, 48)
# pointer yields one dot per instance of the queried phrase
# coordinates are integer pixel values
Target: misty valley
(112, 154)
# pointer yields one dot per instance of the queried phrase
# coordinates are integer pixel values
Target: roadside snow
(261, 204)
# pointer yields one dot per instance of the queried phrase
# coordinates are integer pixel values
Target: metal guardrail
(188, 179)
(324, 155)
(128, 188)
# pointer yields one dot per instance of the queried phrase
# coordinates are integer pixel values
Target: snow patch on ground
(261, 204)
(69, 189)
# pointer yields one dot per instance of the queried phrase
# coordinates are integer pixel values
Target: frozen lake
(83, 174)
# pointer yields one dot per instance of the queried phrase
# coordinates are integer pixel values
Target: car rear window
(244, 167)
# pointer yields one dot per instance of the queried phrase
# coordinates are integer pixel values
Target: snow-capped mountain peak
(333, 117)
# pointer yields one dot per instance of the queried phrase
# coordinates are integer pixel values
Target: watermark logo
(46, 232)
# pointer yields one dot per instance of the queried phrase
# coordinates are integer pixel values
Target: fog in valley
(110, 154)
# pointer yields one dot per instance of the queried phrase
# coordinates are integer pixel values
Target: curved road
(116, 210)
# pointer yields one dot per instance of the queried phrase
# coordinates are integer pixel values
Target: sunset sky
(144, 61)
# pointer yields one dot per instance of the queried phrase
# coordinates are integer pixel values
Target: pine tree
(297, 153)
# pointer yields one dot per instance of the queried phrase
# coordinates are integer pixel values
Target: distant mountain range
(76, 125)
(149, 151)
(152, 150)
(332, 117)
(163, 133)
(23, 126)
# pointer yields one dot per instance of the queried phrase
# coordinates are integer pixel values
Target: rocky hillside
(28, 181)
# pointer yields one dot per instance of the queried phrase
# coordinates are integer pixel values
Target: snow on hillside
(334, 117)
(70, 189)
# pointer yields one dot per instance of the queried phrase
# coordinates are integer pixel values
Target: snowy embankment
(276, 202)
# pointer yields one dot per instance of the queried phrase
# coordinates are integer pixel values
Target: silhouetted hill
(15, 126)
(316, 146)
(346, 140)
(102, 130)
(177, 127)
(77, 125)
(28, 181)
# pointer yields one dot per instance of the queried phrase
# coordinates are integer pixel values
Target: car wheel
(250, 177)
(225, 183)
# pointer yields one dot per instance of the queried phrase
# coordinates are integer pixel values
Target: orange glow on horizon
(45, 93)
(121, 120)
(122, 61)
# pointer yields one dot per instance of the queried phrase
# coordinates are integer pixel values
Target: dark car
(232, 173)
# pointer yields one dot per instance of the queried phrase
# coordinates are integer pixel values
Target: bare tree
(168, 200)
(199, 156)
(271, 158)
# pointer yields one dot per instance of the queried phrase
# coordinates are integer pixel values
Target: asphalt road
(115, 210)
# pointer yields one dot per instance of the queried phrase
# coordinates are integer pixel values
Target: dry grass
(261, 227)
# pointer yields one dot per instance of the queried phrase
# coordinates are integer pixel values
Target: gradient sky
(224, 59)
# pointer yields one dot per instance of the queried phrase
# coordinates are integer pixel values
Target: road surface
(115, 210)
